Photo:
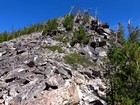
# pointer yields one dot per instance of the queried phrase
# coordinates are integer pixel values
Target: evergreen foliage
(120, 31)
(80, 37)
(134, 33)
(123, 71)
(5, 36)
(51, 25)
(68, 22)
(86, 17)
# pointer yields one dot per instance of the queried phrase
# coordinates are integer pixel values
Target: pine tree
(68, 22)
(123, 72)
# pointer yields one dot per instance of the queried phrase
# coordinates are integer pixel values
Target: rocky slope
(33, 75)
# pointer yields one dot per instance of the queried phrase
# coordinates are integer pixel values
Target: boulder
(20, 51)
(78, 78)
(100, 30)
(93, 44)
(30, 63)
(107, 31)
(105, 37)
(96, 102)
(102, 43)
(56, 80)
(67, 95)
(95, 72)
(0, 54)
(105, 25)
(64, 72)
(94, 27)
(93, 22)
(103, 54)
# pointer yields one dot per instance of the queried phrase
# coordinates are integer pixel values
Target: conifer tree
(123, 71)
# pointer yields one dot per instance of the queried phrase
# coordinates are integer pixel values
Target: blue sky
(19, 13)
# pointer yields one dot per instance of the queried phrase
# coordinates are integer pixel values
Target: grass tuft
(75, 58)
(53, 48)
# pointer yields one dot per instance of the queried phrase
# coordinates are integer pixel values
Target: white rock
(107, 31)
(0, 54)
(103, 54)
(21, 69)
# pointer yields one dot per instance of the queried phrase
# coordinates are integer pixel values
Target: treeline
(123, 69)
(5, 36)
(51, 25)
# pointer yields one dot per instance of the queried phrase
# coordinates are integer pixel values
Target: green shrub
(52, 24)
(86, 17)
(80, 37)
(75, 58)
(123, 71)
(68, 22)
(1, 38)
(5, 35)
(53, 48)
(11, 36)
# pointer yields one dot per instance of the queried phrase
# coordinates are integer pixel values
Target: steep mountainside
(58, 66)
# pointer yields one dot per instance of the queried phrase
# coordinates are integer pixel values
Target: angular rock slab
(67, 95)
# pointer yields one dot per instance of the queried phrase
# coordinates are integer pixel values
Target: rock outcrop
(32, 75)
